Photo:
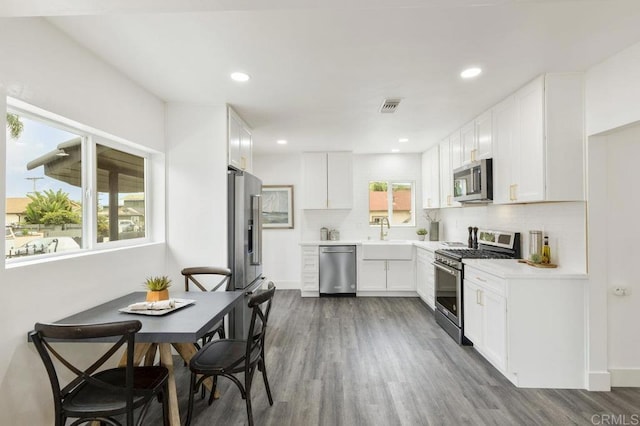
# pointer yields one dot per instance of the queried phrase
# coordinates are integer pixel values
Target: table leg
(186, 351)
(150, 355)
(139, 353)
(167, 361)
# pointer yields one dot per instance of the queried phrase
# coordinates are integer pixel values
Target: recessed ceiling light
(281, 142)
(240, 76)
(394, 150)
(470, 72)
(402, 140)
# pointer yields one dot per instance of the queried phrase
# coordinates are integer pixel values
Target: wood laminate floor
(384, 361)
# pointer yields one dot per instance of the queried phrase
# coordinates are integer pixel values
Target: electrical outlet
(620, 291)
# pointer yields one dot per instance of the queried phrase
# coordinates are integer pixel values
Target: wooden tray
(538, 265)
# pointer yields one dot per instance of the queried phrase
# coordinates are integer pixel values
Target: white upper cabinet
(327, 180)
(450, 158)
(339, 180)
(484, 136)
(539, 142)
(431, 178)
(504, 130)
(469, 142)
(239, 141)
(477, 139)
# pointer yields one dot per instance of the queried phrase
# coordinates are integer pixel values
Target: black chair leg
(262, 367)
(192, 391)
(247, 384)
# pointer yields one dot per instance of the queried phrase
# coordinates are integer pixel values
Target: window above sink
(394, 200)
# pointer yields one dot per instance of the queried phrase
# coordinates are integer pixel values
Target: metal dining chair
(227, 357)
(105, 395)
(191, 276)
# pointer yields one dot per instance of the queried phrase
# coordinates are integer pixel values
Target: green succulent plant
(421, 231)
(536, 258)
(158, 283)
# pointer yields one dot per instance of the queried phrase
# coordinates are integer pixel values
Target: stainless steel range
(449, 274)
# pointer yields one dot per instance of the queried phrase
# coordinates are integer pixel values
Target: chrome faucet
(382, 233)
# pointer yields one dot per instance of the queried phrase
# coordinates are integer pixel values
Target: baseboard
(625, 378)
(598, 381)
(285, 285)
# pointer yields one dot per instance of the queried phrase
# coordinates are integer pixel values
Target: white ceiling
(320, 72)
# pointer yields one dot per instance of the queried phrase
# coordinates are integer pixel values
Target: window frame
(90, 138)
(390, 183)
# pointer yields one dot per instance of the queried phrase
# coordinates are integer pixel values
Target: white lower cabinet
(485, 315)
(386, 275)
(495, 328)
(425, 278)
(372, 275)
(310, 269)
(530, 328)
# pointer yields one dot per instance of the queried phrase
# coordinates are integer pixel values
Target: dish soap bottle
(546, 251)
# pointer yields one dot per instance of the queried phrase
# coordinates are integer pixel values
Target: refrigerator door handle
(256, 212)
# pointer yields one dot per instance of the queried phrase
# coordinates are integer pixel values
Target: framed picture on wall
(277, 206)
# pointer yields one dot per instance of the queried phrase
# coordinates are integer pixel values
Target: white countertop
(331, 243)
(510, 268)
(429, 245)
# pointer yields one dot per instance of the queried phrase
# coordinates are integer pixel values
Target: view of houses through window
(46, 173)
(393, 200)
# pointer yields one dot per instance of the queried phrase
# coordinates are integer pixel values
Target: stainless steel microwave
(473, 183)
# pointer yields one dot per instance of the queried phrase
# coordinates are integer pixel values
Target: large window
(392, 200)
(67, 188)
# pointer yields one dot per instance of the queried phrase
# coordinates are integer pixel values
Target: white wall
(354, 224)
(281, 247)
(623, 150)
(612, 92)
(196, 187)
(564, 223)
(41, 66)
(613, 234)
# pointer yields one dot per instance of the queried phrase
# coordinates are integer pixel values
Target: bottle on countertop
(475, 237)
(324, 234)
(546, 251)
(470, 243)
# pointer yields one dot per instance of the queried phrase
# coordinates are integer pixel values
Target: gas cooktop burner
(474, 254)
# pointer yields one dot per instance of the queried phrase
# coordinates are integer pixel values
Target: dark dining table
(179, 329)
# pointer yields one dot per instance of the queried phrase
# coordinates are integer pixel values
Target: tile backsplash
(354, 223)
(564, 223)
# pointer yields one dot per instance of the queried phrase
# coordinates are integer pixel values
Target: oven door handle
(446, 269)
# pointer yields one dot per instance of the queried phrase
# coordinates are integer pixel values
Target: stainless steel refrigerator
(245, 244)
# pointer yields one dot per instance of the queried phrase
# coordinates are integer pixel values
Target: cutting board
(538, 265)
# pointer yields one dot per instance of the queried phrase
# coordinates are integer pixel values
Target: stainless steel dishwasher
(338, 270)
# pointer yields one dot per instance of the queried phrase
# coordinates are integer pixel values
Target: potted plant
(421, 233)
(157, 288)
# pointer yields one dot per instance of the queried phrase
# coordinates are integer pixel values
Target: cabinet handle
(481, 279)
(513, 192)
(243, 163)
(473, 154)
(448, 200)
(479, 297)
(429, 202)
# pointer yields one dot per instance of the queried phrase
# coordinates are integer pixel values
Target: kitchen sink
(387, 250)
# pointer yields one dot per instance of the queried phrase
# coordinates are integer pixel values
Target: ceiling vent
(389, 106)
